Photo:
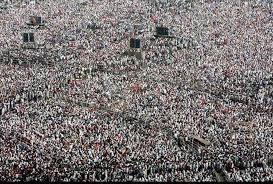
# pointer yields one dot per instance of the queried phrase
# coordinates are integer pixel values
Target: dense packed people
(97, 114)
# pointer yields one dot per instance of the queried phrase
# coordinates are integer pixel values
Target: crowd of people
(97, 114)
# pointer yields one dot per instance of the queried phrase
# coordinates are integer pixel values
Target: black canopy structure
(134, 43)
(162, 31)
(28, 37)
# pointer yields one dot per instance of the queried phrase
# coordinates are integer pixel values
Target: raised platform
(26, 56)
(164, 36)
(139, 54)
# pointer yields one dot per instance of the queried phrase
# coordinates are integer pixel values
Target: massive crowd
(95, 114)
